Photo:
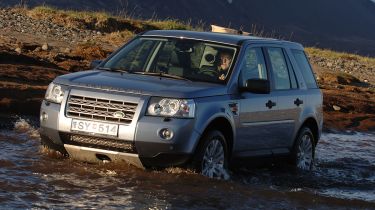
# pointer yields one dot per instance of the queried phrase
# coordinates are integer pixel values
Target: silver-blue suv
(197, 99)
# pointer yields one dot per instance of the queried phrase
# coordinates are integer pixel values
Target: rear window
(305, 68)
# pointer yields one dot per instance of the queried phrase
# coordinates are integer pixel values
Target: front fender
(212, 108)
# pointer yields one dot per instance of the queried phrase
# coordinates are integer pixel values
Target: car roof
(230, 39)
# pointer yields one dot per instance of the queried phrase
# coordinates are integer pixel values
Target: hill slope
(344, 25)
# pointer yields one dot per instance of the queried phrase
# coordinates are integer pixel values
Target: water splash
(108, 173)
(24, 126)
(178, 170)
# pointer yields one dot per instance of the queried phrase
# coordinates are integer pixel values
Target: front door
(257, 111)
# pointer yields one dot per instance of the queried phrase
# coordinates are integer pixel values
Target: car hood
(141, 84)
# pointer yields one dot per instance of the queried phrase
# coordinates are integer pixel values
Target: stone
(67, 50)
(336, 108)
(329, 64)
(45, 47)
(18, 50)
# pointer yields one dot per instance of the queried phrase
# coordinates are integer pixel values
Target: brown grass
(329, 54)
(102, 21)
(90, 51)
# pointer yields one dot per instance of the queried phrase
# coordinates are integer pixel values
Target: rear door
(289, 98)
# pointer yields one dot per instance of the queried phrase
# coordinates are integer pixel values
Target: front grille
(99, 143)
(100, 109)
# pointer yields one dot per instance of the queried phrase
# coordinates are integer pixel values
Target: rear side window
(279, 68)
(305, 68)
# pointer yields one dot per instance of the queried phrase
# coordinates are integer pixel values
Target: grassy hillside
(102, 21)
(342, 25)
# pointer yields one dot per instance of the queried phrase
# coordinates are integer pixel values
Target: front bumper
(150, 149)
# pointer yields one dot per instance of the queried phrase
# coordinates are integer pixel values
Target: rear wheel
(211, 158)
(304, 150)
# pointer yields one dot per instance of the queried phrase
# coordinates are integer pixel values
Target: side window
(293, 79)
(305, 68)
(279, 68)
(253, 66)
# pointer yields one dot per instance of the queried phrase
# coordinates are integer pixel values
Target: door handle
(270, 104)
(298, 102)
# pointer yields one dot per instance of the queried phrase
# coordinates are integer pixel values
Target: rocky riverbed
(17, 21)
(34, 50)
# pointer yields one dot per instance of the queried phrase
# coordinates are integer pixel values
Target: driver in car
(225, 61)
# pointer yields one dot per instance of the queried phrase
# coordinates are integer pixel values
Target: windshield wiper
(161, 74)
(113, 69)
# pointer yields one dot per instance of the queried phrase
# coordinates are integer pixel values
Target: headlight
(169, 107)
(54, 93)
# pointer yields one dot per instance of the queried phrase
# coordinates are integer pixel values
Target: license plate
(94, 127)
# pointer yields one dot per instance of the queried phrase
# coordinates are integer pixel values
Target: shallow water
(30, 177)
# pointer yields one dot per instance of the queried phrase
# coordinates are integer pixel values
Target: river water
(32, 177)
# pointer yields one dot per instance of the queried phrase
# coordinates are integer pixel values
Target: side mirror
(95, 63)
(261, 86)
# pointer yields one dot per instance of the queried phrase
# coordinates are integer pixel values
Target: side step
(93, 155)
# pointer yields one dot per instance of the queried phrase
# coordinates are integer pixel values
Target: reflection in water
(32, 177)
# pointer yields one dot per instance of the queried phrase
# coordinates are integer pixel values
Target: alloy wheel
(214, 160)
(305, 153)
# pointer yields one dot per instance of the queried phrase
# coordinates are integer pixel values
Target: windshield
(190, 59)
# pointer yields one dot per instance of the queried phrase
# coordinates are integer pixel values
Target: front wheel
(51, 146)
(304, 150)
(211, 157)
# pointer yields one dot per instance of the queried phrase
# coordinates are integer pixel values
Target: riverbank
(38, 45)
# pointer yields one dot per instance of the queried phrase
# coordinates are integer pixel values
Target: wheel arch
(312, 124)
(224, 125)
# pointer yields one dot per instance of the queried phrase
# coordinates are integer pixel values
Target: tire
(50, 145)
(211, 156)
(304, 150)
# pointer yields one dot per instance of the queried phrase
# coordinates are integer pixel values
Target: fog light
(165, 133)
(43, 116)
